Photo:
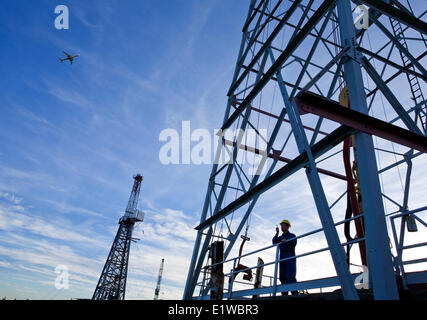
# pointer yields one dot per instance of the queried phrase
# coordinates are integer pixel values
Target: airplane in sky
(69, 57)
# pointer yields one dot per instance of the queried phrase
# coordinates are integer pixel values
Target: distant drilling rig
(159, 280)
(112, 283)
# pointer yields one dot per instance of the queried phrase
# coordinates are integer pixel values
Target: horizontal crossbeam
(320, 148)
(397, 14)
(290, 48)
(276, 155)
(309, 102)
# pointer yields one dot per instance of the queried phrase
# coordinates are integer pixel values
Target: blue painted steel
(337, 252)
(233, 238)
(303, 285)
(191, 276)
(347, 60)
(378, 249)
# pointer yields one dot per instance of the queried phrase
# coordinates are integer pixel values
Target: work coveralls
(287, 268)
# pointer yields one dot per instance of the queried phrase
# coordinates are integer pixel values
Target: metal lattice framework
(310, 50)
(159, 280)
(112, 282)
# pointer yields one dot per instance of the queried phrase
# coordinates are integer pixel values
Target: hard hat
(286, 222)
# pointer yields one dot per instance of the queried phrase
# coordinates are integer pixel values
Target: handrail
(399, 241)
(273, 279)
(231, 274)
(401, 214)
(296, 256)
(276, 244)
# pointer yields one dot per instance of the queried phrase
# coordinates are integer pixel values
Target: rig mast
(112, 283)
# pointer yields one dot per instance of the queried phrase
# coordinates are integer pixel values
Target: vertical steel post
(337, 252)
(377, 241)
(276, 263)
(202, 286)
(231, 280)
(398, 258)
(192, 273)
(217, 274)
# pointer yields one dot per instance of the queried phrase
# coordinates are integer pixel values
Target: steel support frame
(115, 268)
(378, 251)
(230, 167)
(308, 102)
(263, 49)
(397, 14)
(290, 48)
(399, 240)
(193, 271)
(320, 148)
(254, 181)
(192, 277)
(336, 250)
(350, 60)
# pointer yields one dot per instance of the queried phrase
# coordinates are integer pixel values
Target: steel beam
(377, 242)
(320, 148)
(311, 53)
(301, 285)
(251, 17)
(256, 178)
(391, 98)
(337, 252)
(309, 102)
(277, 117)
(401, 47)
(393, 64)
(276, 155)
(191, 276)
(262, 50)
(254, 36)
(395, 75)
(226, 180)
(290, 48)
(397, 14)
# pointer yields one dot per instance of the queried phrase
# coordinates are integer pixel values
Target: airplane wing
(66, 54)
(71, 61)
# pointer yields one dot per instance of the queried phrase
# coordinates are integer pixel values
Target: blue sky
(72, 137)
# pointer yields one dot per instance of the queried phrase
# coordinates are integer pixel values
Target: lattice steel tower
(112, 283)
(159, 281)
(306, 55)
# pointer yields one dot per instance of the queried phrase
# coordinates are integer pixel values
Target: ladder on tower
(417, 94)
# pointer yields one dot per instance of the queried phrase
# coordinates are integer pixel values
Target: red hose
(351, 189)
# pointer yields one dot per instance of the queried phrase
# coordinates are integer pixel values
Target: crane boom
(159, 280)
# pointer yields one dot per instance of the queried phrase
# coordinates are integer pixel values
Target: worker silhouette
(287, 268)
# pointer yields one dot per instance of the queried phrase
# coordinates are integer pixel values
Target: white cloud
(34, 247)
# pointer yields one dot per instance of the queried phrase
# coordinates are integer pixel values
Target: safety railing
(274, 287)
(398, 241)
